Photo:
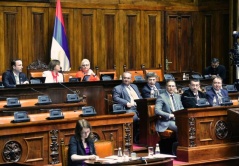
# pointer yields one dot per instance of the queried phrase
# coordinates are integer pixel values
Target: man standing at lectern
(13, 77)
(125, 94)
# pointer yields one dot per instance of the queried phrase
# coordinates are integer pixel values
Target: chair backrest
(34, 74)
(159, 73)
(110, 71)
(104, 148)
(69, 74)
(64, 153)
(135, 73)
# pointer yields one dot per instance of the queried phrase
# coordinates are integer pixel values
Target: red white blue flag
(59, 46)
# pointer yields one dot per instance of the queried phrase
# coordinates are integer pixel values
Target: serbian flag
(59, 46)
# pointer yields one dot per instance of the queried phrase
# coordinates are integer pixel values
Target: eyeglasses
(85, 65)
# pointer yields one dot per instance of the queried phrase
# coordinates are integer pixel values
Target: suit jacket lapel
(13, 78)
(126, 94)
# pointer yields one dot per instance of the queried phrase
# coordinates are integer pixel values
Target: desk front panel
(37, 142)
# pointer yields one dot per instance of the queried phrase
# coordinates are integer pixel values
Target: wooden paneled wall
(132, 32)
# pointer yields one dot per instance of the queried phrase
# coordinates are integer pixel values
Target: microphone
(42, 100)
(72, 98)
(67, 88)
(37, 91)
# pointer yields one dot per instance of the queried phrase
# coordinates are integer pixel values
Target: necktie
(219, 94)
(196, 96)
(156, 92)
(133, 93)
(174, 103)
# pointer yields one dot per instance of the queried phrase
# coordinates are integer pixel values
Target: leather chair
(64, 153)
(103, 148)
(159, 73)
(34, 74)
(102, 72)
(153, 118)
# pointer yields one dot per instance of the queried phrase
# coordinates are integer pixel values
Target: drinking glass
(126, 154)
(150, 151)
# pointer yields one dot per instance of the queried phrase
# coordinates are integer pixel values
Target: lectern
(205, 134)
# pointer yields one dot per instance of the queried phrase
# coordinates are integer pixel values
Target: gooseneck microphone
(43, 99)
(37, 91)
(72, 98)
(67, 88)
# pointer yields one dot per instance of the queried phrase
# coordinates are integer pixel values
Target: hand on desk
(93, 157)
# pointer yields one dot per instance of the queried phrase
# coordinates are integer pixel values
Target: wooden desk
(94, 91)
(160, 162)
(146, 137)
(38, 141)
(205, 134)
(29, 106)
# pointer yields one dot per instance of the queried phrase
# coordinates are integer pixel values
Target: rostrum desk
(37, 142)
(205, 134)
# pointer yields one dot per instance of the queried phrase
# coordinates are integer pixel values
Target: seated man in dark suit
(125, 94)
(150, 90)
(13, 77)
(216, 70)
(216, 93)
(189, 97)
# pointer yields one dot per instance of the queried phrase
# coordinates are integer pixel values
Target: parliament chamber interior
(176, 39)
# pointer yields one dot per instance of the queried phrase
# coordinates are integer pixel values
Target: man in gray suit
(166, 104)
(125, 94)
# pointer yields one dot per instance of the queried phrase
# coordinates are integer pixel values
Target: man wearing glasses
(189, 97)
(125, 94)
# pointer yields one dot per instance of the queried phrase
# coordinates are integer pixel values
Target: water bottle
(157, 150)
(152, 93)
(214, 102)
(120, 152)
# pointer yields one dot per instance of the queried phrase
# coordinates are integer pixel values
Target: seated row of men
(167, 102)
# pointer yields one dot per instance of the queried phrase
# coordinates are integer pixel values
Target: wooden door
(179, 38)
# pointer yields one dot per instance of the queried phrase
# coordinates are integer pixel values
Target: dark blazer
(9, 79)
(121, 96)
(76, 147)
(220, 70)
(163, 108)
(146, 90)
(211, 93)
(191, 101)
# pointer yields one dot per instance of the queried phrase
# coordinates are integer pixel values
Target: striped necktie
(174, 103)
